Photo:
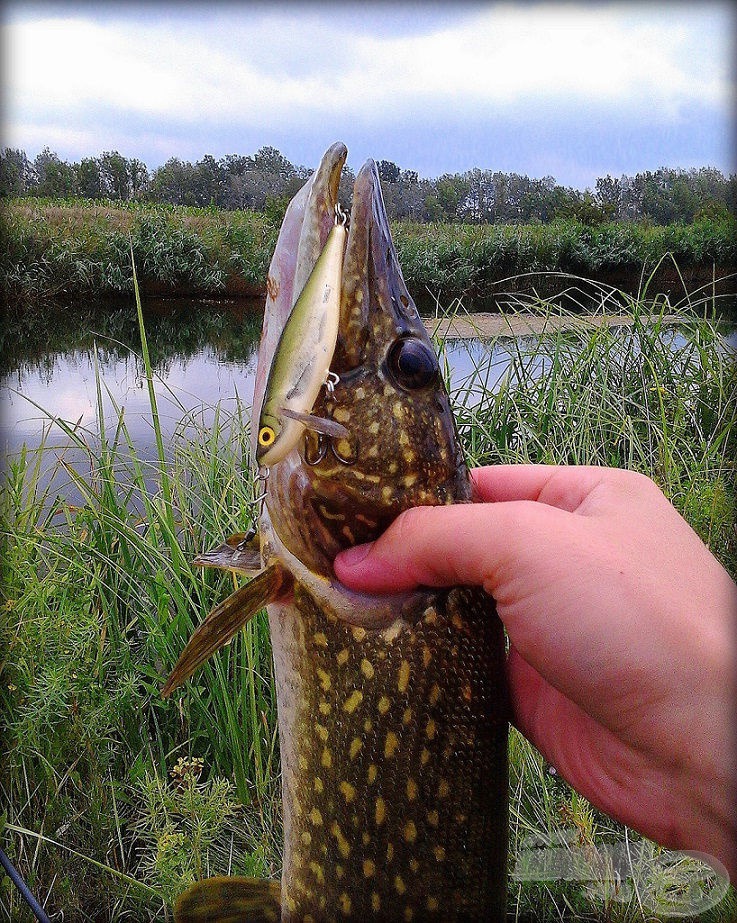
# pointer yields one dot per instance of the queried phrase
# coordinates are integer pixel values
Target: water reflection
(203, 353)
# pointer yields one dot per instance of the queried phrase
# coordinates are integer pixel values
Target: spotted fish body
(392, 710)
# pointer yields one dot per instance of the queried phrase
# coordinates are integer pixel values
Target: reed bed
(61, 248)
(115, 799)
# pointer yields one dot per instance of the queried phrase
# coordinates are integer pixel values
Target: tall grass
(115, 800)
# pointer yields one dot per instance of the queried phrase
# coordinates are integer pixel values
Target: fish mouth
(387, 392)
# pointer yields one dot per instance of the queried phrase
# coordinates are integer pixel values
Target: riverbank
(57, 249)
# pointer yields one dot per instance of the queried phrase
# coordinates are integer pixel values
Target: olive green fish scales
(392, 796)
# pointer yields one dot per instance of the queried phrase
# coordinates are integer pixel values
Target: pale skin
(623, 633)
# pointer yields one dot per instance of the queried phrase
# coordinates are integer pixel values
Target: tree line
(266, 180)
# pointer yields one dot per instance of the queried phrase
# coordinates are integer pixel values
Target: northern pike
(392, 710)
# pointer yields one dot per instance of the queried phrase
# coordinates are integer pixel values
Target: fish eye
(412, 363)
(266, 436)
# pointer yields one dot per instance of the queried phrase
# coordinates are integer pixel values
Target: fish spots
(403, 677)
(324, 708)
(343, 845)
(399, 886)
(315, 817)
(424, 756)
(414, 865)
(367, 725)
(320, 639)
(348, 791)
(355, 747)
(409, 480)
(384, 705)
(359, 394)
(397, 410)
(342, 656)
(353, 701)
(434, 696)
(372, 773)
(433, 818)
(391, 745)
(389, 852)
(358, 633)
(291, 903)
(317, 871)
(345, 904)
(407, 716)
(367, 668)
(443, 789)
(341, 414)
(306, 837)
(375, 902)
(392, 632)
(408, 914)
(322, 732)
(410, 832)
(324, 679)
(346, 531)
(272, 287)
(317, 785)
(380, 811)
(387, 492)
(365, 838)
(302, 760)
(430, 729)
(412, 790)
(432, 903)
(374, 428)
(326, 760)
(439, 853)
(369, 868)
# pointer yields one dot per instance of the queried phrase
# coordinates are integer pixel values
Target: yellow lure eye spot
(266, 436)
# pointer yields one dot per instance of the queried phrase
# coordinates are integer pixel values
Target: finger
(477, 544)
(565, 487)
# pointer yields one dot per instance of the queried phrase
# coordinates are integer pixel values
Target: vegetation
(112, 791)
(265, 181)
(63, 248)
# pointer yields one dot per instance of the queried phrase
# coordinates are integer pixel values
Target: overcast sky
(570, 90)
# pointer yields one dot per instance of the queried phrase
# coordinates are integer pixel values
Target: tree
(54, 177)
(15, 173)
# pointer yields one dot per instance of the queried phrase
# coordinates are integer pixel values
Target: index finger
(563, 486)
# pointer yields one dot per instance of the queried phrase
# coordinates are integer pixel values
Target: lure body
(303, 355)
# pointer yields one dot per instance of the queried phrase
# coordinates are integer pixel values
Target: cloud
(97, 77)
(497, 57)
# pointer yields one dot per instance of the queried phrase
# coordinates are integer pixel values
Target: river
(204, 352)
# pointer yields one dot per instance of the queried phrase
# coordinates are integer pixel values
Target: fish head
(401, 448)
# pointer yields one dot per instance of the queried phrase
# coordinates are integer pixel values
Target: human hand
(623, 631)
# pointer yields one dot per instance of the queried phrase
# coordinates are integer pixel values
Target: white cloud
(496, 57)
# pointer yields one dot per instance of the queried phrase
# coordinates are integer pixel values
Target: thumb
(469, 544)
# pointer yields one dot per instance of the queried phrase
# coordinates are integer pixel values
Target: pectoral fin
(230, 900)
(241, 554)
(225, 620)
(318, 424)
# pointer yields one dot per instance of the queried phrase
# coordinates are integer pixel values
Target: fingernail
(353, 556)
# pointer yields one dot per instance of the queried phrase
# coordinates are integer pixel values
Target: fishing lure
(303, 355)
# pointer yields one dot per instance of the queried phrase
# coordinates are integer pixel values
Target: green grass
(108, 790)
(62, 248)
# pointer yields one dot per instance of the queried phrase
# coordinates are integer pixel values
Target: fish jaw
(402, 449)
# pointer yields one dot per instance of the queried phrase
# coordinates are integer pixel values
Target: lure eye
(412, 363)
(266, 436)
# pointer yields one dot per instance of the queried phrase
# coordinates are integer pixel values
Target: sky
(569, 90)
